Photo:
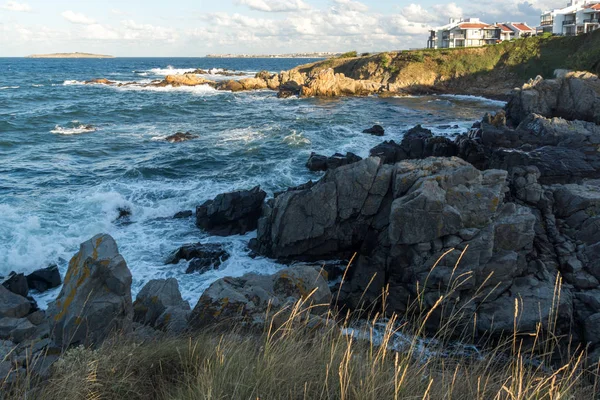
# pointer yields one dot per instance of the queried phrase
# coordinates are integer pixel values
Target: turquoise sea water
(61, 181)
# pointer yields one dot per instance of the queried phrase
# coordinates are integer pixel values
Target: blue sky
(195, 28)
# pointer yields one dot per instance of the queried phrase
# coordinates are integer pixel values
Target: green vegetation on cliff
(489, 70)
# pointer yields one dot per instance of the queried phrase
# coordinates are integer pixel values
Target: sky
(194, 28)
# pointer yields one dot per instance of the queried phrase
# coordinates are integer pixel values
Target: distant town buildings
(580, 16)
(471, 32)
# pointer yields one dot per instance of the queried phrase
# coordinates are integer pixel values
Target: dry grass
(305, 357)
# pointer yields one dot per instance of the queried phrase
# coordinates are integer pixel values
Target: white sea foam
(74, 130)
(170, 70)
(199, 90)
(9, 87)
(73, 82)
(37, 85)
(474, 98)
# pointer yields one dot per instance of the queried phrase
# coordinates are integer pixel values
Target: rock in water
(95, 300)
(202, 256)
(247, 299)
(376, 130)
(156, 297)
(231, 213)
(181, 137)
(44, 279)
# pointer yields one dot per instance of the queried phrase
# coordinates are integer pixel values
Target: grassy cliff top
(503, 65)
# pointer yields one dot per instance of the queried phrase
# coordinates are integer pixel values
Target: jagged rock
(253, 83)
(289, 89)
(95, 300)
(13, 305)
(327, 83)
(202, 257)
(575, 96)
(174, 320)
(232, 213)
(155, 297)
(248, 298)
(17, 283)
(44, 279)
(318, 162)
(181, 137)
(389, 152)
(16, 329)
(376, 130)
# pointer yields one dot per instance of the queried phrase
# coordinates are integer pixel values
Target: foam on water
(9, 87)
(74, 130)
(198, 90)
(480, 99)
(170, 70)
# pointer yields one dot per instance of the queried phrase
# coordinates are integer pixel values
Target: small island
(69, 55)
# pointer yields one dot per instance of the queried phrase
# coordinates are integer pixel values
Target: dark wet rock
(95, 300)
(184, 214)
(181, 137)
(16, 329)
(16, 283)
(124, 216)
(232, 213)
(155, 298)
(318, 162)
(304, 186)
(289, 89)
(447, 126)
(202, 257)
(389, 152)
(248, 298)
(376, 130)
(44, 279)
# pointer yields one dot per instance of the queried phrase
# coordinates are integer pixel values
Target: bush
(350, 54)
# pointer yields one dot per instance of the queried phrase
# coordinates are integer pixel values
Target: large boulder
(573, 96)
(184, 80)
(95, 300)
(232, 213)
(157, 297)
(252, 299)
(327, 83)
(12, 305)
(17, 283)
(44, 279)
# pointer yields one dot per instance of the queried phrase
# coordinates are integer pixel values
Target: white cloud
(18, 7)
(77, 18)
(99, 32)
(351, 5)
(275, 5)
(134, 31)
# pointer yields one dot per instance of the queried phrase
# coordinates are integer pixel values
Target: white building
(471, 32)
(580, 16)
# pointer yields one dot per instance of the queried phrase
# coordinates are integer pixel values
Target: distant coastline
(291, 55)
(70, 55)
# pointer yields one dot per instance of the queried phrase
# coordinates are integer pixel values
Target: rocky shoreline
(502, 220)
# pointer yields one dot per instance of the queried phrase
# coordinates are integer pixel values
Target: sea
(72, 155)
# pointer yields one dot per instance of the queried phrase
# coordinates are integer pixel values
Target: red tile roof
(504, 28)
(523, 27)
(595, 7)
(468, 25)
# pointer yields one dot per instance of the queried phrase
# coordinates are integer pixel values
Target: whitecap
(296, 140)
(74, 130)
(170, 70)
(73, 82)
(9, 87)
(474, 98)
(199, 90)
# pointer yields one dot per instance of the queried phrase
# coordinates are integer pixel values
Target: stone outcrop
(160, 305)
(572, 96)
(518, 237)
(327, 83)
(232, 213)
(317, 162)
(17, 283)
(95, 300)
(12, 305)
(254, 299)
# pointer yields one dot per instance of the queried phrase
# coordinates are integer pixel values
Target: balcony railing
(569, 22)
(591, 21)
(546, 23)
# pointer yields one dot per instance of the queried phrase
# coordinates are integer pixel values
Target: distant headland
(291, 55)
(69, 55)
